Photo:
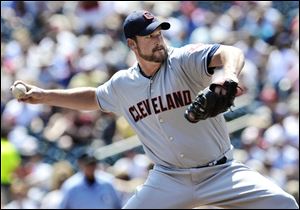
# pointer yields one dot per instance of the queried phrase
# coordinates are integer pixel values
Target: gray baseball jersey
(155, 108)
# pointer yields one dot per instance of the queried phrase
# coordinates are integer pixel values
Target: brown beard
(153, 57)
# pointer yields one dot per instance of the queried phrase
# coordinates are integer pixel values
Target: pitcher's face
(152, 47)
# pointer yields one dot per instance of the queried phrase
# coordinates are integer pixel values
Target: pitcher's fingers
(223, 91)
(25, 99)
(220, 90)
(28, 94)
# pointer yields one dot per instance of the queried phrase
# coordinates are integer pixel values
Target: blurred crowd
(61, 44)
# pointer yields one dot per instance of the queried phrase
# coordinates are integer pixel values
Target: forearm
(77, 98)
(231, 59)
(233, 62)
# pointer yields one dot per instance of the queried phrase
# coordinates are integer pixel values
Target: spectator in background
(88, 191)
(61, 171)
(10, 160)
(19, 189)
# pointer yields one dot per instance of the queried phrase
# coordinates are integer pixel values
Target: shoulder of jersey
(124, 74)
(196, 47)
(175, 52)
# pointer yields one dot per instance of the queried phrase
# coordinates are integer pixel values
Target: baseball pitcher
(168, 97)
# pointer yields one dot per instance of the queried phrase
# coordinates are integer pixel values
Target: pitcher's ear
(131, 44)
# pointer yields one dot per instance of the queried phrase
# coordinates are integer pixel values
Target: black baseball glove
(209, 103)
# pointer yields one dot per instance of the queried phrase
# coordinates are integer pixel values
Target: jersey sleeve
(195, 60)
(107, 97)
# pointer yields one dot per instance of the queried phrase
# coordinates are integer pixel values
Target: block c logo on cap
(148, 15)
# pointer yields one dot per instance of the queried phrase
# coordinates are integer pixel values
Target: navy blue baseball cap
(142, 23)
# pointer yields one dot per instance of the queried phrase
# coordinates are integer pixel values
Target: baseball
(18, 91)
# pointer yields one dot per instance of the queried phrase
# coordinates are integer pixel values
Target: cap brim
(89, 161)
(86, 158)
(153, 26)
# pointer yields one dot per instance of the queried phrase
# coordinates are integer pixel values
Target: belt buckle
(217, 162)
(213, 163)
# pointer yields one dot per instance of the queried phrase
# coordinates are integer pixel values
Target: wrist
(232, 77)
(45, 96)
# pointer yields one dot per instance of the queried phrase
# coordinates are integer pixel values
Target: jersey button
(182, 155)
(171, 138)
(161, 120)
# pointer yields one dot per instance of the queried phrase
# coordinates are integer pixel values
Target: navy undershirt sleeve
(214, 48)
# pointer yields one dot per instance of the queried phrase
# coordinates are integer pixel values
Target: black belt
(214, 163)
